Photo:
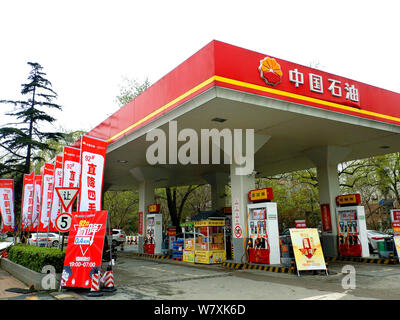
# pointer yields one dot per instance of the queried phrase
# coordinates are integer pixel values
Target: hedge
(35, 258)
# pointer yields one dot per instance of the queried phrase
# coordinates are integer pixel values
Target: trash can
(385, 248)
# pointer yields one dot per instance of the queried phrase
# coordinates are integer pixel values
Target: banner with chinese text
(47, 197)
(37, 196)
(93, 154)
(84, 249)
(307, 249)
(27, 201)
(57, 182)
(72, 168)
(7, 205)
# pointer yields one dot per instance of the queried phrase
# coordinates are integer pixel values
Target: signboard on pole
(63, 222)
(395, 216)
(67, 196)
(307, 249)
(84, 248)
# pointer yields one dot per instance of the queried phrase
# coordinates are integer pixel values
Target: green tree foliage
(130, 89)
(21, 141)
(122, 207)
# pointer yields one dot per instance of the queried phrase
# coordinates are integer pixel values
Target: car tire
(55, 244)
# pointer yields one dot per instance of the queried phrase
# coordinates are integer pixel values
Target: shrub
(35, 258)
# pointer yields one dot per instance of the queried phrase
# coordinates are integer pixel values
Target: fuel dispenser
(352, 227)
(262, 227)
(153, 238)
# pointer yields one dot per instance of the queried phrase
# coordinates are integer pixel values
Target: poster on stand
(7, 205)
(85, 248)
(47, 197)
(307, 249)
(27, 201)
(93, 155)
(397, 244)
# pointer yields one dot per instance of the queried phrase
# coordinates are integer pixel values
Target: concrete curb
(362, 260)
(26, 275)
(244, 266)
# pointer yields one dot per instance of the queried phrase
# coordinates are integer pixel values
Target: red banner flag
(72, 168)
(27, 201)
(7, 204)
(84, 249)
(58, 180)
(37, 196)
(47, 197)
(93, 155)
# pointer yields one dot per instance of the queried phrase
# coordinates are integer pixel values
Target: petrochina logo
(270, 71)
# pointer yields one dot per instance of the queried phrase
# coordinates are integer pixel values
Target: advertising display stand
(307, 250)
(352, 227)
(188, 249)
(209, 241)
(153, 238)
(263, 232)
(395, 217)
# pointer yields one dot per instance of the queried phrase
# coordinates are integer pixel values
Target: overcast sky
(87, 47)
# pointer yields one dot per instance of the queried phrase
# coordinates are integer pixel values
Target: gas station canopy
(294, 107)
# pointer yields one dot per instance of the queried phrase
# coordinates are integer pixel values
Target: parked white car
(43, 238)
(373, 238)
(118, 237)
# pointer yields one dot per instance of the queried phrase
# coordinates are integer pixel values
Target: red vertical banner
(27, 201)
(93, 156)
(84, 249)
(7, 205)
(37, 196)
(326, 218)
(47, 196)
(140, 227)
(72, 168)
(56, 204)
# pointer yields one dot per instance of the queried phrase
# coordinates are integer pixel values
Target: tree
(22, 140)
(130, 89)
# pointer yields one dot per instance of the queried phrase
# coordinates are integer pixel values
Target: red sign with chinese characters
(71, 168)
(326, 218)
(37, 200)
(93, 156)
(259, 195)
(396, 215)
(154, 208)
(7, 204)
(58, 180)
(84, 249)
(300, 224)
(47, 197)
(27, 201)
(140, 227)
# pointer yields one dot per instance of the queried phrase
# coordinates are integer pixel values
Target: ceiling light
(218, 120)
(122, 161)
